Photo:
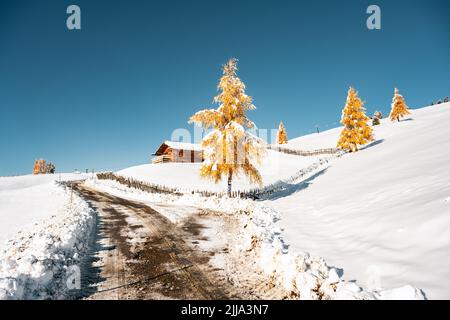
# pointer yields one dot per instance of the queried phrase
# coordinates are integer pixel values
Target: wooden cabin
(183, 152)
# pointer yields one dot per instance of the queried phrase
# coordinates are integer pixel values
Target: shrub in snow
(376, 118)
(378, 114)
(43, 167)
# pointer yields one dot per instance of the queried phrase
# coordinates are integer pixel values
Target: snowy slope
(314, 141)
(25, 200)
(44, 236)
(383, 214)
(275, 167)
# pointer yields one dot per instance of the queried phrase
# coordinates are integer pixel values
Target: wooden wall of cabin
(186, 156)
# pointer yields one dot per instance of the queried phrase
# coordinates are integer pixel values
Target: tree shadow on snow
(372, 144)
(288, 189)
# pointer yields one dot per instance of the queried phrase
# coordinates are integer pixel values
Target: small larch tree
(356, 131)
(399, 108)
(281, 135)
(230, 149)
(376, 119)
(38, 165)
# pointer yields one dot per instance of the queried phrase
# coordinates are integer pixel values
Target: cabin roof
(178, 146)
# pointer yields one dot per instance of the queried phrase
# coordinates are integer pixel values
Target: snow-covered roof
(179, 146)
(184, 145)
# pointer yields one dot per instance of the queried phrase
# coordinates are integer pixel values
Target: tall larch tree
(229, 149)
(356, 131)
(399, 108)
(281, 135)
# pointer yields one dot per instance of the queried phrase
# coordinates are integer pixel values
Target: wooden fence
(162, 159)
(137, 184)
(155, 188)
(256, 193)
(303, 153)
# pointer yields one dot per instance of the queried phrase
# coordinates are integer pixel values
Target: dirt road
(139, 254)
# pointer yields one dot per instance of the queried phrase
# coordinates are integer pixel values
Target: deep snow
(383, 213)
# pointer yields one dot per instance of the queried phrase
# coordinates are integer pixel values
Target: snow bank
(308, 277)
(38, 262)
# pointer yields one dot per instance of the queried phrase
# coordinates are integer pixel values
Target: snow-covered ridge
(44, 262)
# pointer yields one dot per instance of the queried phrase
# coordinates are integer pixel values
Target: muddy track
(139, 254)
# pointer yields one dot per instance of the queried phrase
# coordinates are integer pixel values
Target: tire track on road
(148, 258)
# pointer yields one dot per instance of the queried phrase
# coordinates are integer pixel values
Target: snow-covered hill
(276, 166)
(383, 214)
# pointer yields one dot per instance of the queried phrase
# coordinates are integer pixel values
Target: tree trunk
(230, 178)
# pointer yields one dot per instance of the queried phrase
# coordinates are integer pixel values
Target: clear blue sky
(106, 96)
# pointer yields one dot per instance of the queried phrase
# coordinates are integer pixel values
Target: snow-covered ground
(44, 232)
(25, 200)
(185, 176)
(257, 241)
(382, 214)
